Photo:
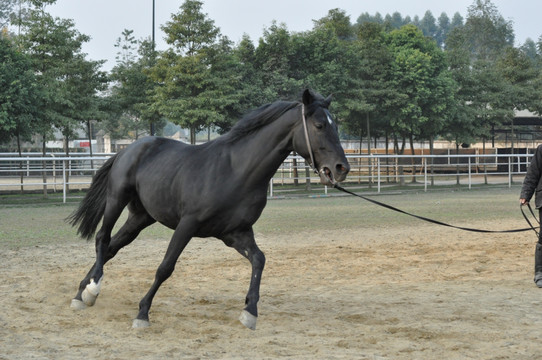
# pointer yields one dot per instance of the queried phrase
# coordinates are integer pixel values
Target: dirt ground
(413, 292)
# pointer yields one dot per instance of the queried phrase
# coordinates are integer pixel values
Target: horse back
(172, 179)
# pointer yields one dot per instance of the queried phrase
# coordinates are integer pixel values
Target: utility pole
(153, 48)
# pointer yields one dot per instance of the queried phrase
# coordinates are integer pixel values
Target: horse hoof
(248, 320)
(91, 292)
(78, 305)
(138, 324)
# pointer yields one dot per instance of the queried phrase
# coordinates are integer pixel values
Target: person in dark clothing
(532, 184)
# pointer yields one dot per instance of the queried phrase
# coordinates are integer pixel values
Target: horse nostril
(342, 169)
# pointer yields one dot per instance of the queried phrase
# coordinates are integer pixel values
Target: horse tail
(92, 207)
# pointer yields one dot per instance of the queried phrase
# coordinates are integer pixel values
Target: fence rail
(55, 173)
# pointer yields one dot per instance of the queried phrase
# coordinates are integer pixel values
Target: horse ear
(327, 101)
(308, 97)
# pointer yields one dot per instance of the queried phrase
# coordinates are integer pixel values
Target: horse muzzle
(332, 176)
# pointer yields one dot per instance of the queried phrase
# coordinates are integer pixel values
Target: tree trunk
(67, 164)
(485, 159)
(412, 160)
(457, 162)
(369, 152)
(359, 159)
(90, 144)
(192, 135)
(387, 159)
(296, 174)
(431, 152)
(307, 176)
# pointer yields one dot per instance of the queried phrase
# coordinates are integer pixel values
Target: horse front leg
(245, 244)
(180, 239)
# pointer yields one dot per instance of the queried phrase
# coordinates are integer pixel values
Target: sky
(104, 20)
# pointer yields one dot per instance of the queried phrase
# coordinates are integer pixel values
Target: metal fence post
(64, 181)
(509, 172)
(424, 160)
(470, 178)
(378, 175)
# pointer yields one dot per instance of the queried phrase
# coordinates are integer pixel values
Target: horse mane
(258, 118)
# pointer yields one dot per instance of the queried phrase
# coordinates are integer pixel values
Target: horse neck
(263, 151)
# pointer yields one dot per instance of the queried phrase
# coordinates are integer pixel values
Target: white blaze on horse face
(329, 118)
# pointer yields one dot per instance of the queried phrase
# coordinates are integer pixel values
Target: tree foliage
(20, 96)
(391, 76)
(197, 84)
(69, 81)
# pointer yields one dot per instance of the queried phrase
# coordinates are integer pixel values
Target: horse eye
(319, 125)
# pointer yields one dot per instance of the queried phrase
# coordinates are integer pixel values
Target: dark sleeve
(533, 175)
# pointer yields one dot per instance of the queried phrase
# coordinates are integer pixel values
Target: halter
(307, 139)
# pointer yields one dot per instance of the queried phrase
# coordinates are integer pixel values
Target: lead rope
(336, 186)
(307, 139)
(527, 219)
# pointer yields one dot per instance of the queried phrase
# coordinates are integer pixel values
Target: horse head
(317, 140)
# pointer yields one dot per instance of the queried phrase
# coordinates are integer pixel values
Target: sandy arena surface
(415, 292)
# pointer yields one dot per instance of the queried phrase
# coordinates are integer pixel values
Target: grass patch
(27, 224)
(36, 199)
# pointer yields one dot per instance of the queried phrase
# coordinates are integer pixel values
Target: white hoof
(78, 305)
(91, 292)
(248, 320)
(138, 324)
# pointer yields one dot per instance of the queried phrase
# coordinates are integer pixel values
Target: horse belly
(160, 203)
(231, 218)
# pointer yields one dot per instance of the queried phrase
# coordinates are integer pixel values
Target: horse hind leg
(89, 289)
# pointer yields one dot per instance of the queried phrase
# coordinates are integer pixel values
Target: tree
(519, 72)
(338, 22)
(272, 61)
(420, 73)
(68, 80)
(20, 96)
(319, 58)
(189, 84)
(252, 93)
(369, 93)
(190, 31)
(130, 102)
(84, 80)
(478, 44)
(487, 32)
(226, 87)
(394, 21)
(443, 29)
(457, 21)
(428, 25)
(54, 46)
(6, 8)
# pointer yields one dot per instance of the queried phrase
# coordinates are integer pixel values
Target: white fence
(381, 171)
(55, 173)
(52, 173)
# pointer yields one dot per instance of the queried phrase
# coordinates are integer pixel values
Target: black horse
(216, 189)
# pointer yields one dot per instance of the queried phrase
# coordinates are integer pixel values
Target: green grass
(25, 224)
(37, 199)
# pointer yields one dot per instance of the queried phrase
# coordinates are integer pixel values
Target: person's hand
(523, 202)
